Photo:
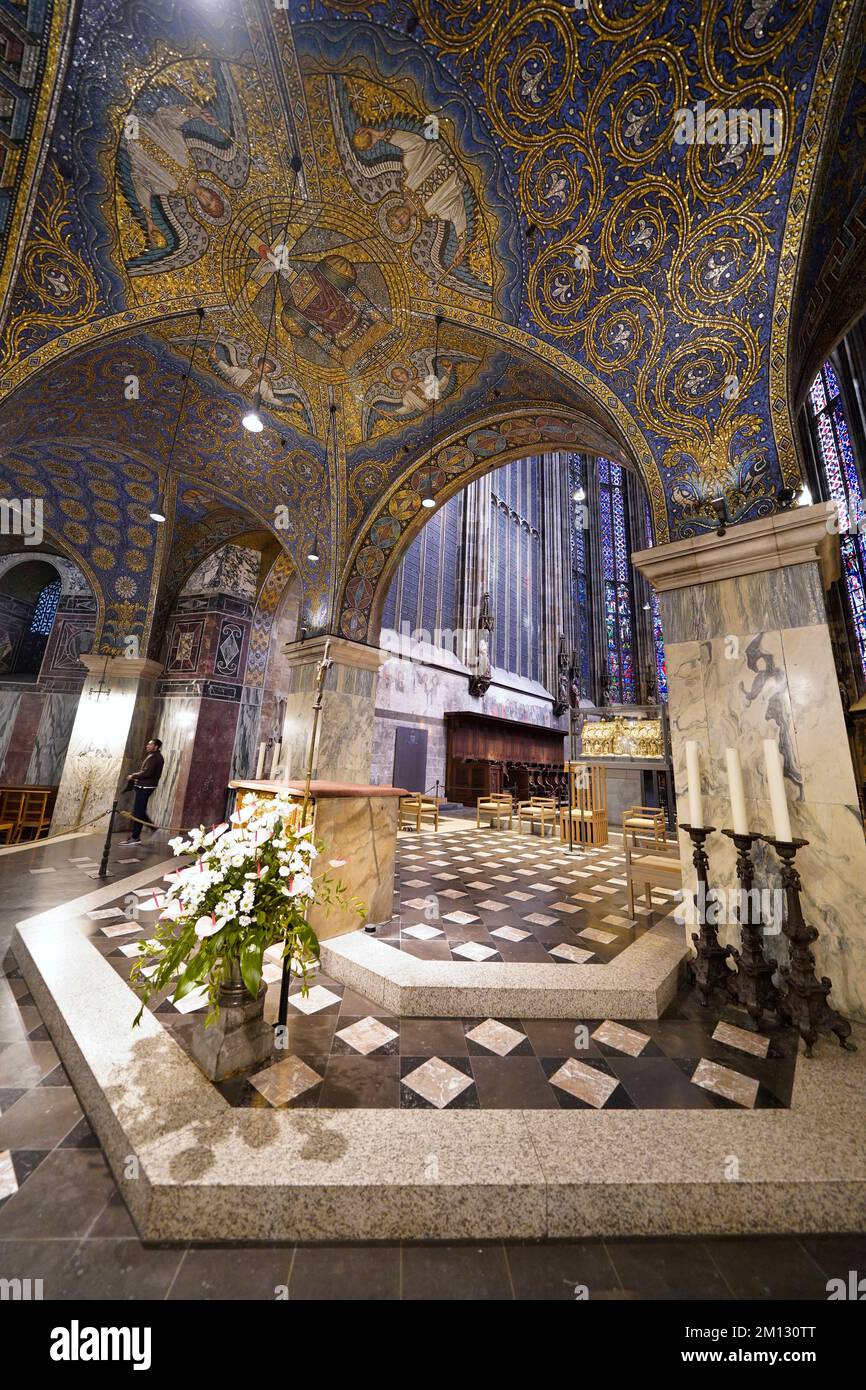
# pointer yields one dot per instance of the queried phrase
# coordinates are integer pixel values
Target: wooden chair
(651, 871)
(11, 806)
(35, 813)
(7, 828)
(588, 805)
(497, 805)
(644, 823)
(416, 807)
(538, 810)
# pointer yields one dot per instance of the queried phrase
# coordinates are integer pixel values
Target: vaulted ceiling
(327, 180)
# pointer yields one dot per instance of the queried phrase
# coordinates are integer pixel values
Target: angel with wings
(235, 364)
(404, 157)
(410, 388)
(172, 143)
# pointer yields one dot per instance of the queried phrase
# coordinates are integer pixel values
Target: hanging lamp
(427, 498)
(158, 513)
(252, 420)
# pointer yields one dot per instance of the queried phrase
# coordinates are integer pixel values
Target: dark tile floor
(493, 895)
(64, 1222)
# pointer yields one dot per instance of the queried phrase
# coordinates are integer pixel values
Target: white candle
(693, 774)
(275, 760)
(260, 764)
(738, 796)
(776, 784)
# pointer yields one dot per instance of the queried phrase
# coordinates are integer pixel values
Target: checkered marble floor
(342, 1050)
(492, 895)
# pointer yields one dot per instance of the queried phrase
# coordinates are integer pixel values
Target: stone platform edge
(193, 1168)
(639, 983)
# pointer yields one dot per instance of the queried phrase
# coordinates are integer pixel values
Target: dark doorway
(410, 759)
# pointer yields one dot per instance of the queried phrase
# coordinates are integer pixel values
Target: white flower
(171, 911)
(206, 926)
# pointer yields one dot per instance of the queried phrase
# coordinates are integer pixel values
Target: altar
(356, 824)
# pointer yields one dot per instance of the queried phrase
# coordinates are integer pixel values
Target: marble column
(344, 747)
(749, 658)
(108, 737)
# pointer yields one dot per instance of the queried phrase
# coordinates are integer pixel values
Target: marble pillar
(108, 737)
(344, 747)
(749, 658)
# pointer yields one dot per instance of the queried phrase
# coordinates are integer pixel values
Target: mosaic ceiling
(325, 180)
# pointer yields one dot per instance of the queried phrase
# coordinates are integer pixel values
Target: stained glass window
(843, 483)
(619, 623)
(46, 607)
(658, 637)
(580, 583)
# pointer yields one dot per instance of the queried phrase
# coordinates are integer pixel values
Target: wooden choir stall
(487, 755)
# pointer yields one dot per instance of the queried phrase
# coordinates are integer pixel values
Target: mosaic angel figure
(409, 171)
(410, 387)
(234, 362)
(174, 161)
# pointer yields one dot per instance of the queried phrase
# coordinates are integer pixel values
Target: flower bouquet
(249, 886)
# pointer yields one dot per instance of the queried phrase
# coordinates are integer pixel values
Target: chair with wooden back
(588, 809)
(645, 823)
(498, 806)
(35, 814)
(416, 807)
(538, 810)
(650, 870)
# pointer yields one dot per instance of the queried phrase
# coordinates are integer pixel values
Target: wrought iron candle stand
(802, 996)
(709, 969)
(752, 986)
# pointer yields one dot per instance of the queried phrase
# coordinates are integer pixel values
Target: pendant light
(253, 421)
(313, 557)
(427, 498)
(158, 513)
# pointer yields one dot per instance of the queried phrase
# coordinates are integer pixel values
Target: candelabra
(802, 996)
(710, 968)
(752, 986)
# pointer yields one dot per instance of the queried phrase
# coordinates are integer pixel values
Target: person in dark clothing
(144, 781)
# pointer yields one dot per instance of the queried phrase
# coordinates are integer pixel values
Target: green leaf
(193, 975)
(251, 964)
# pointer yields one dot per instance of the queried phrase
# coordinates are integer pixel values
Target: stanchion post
(106, 848)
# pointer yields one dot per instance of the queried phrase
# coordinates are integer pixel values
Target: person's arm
(142, 770)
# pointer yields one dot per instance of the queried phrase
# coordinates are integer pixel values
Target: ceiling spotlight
(313, 556)
(252, 421)
(647, 607)
(157, 515)
(785, 496)
(428, 501)
(805, 497)
(580, 495)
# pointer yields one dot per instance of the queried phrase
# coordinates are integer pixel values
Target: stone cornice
(340, 650)
(121, 667)
(800, 536)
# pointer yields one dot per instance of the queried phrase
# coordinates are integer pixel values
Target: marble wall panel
(207, 785)
(363, 831)
(744, 679)
(174, 721)
(9, 701)
(52, 739)
(246, 746)
(22, 738)
(97, 756)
